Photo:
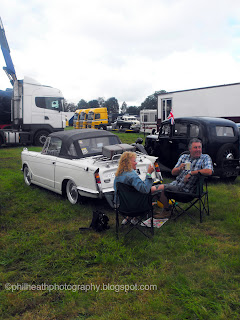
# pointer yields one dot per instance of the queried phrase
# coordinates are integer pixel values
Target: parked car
(79, 163)
(220, 139)
(128, 123)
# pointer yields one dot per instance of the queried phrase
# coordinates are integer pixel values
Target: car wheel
(72, 192)
(229, 179)
(1, 140)
(27, 176)
(40, 138)
(227, 152)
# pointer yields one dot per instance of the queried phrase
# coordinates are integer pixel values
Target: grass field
(51, 270)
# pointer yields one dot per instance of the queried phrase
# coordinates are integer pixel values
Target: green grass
(194, 266)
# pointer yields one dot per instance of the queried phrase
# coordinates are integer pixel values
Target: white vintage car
(79, 163)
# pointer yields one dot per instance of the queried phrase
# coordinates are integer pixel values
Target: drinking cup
(187, 165)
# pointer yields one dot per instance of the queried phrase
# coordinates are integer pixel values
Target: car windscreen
(165, 130)
(93, 146)
(52, 146)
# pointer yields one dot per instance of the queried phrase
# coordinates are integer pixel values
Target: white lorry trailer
(29, 111)
(148, 120)
(217, 101)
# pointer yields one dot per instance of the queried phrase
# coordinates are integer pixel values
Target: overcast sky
(126, 49)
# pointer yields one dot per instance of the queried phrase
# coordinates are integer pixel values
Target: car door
(173, 140)
(179, 141)
(183, 132)
(162, 146)
(44, 168)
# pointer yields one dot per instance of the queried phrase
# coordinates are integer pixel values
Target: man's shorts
(172, 187)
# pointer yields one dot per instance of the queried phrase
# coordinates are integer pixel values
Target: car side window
(194, 130)
(50, 103)
(180, 129)
(72, 151)
(165, 130)
(54, 147)
(222, 131)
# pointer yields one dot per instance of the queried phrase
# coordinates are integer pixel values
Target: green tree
(151, 101)
(93, 104)
(133, 110)
(112, 105)
(69, 106)
(101, 102)
(82, 104)
(124, 107)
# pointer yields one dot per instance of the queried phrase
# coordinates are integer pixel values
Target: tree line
(112, 104)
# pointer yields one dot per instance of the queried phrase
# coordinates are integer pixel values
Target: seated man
(186, 179)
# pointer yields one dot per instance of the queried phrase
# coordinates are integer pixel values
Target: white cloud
(123, 49)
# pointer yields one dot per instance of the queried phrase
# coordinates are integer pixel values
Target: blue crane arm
(9, 69)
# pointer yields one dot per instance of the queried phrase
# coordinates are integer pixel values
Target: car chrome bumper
(94, 193)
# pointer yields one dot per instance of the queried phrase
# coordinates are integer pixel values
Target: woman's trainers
(134, 221)
(125, 221)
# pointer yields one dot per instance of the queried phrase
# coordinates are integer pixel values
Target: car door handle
(170, 141)
(54, 162)
(46, 118)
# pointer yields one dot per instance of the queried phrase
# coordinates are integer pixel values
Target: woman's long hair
(125, 162)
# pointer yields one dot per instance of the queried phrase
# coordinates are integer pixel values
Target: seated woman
(126, 174)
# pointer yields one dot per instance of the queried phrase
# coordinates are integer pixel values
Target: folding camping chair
(197, 199)
(132, 203)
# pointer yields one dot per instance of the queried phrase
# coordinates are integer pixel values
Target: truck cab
(76, 119)
(35, 110)
(83, 118)
(97, 118)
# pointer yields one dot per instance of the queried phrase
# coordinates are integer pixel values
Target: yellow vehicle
(83, 118)
(97, 118)
(76, 120)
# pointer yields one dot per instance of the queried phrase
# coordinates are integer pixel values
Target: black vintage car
(220, 139)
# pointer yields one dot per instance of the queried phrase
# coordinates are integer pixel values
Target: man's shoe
(163, 215)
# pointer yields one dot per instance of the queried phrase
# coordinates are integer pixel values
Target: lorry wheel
(72, 192)
(27, 176)
(101, 127)
(40, 138)
(1, 140)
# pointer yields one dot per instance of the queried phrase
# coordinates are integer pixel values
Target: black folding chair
(197, 199)
(132, 203)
